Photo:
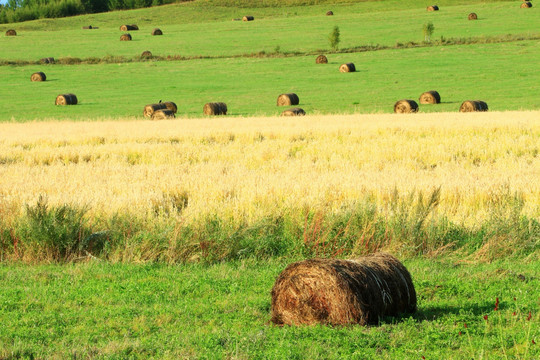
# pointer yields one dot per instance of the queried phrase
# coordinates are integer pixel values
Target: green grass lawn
(98, 310)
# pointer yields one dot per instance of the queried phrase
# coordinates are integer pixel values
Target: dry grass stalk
(433, 8)
(341, 292)
(348, 67)
(129, 27)
(405, 106)
(215, 108)
(473, 105)
(473, 16)
(248, 18)
(151, 108)
(162, 114)
(294, 112)
(38, 76)
(146, 54)
(66, 99)
(329, 13)
(157, 31)
(11, 32)
(321, 59)
(526, 4)
(430, 97)
(125, 37)
(288, 99)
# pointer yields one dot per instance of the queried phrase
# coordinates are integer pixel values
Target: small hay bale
(473, 16)
(329, 13)
(171, 106)
(89, 27)
(405, 106)
(157, 31)
(348, 67)
(473, 105)
(162, 114)
(11, 32)
(66, 99)
(433, 8)
(526, 4)
(215, 108)
(129, 27)
(248, 18)
(146, 54)
(430, 97)
(288, 99)
(47, 60)
(321, 59)
(341, 292)
(125, 37)
(38, 76)
(149, 109)
(294, 112)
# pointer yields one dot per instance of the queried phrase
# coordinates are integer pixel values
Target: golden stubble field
(247, 168)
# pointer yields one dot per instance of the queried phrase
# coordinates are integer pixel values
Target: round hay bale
(149, 109)
(340, 292)
(171, 106)
(157, 31)
(294, 112)
(348, 67)
(248, 18)
(66, 99)
(430, 97)
(146, 54)
(329, 13)
(288, 99)
(162, 114)
(526, 4)
(321, 59)
(11, 32)
(87, 27)
(47, 60)
(405, 106)
(433, 8)
(215, 108)
(129, 27)
(125, 37)
(38, 76)
(473, 105)
(473, 16)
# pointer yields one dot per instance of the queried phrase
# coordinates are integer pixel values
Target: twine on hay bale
(348, 67)
(340, 292)
(149, 109)
(157, 31)
(47, 60)
(329, 13)
(11, 32)
(38, 76)
(125, 37)
(146, 54)
(66, 99)
(294, 112)
(433, 8)
(430, 97)
(473, 16)
(405, 106)
(321, 59)
(162, 114)
(215, 108)
(473, 105)
(526, 4)
(248, 18)
(288, 99)
(129, 27)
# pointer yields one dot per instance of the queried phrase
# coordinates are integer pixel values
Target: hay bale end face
(405, 106)
(473, 16)
(321, 59)
(162, 114)
(288, 99)
(47, 60)
(66, 99)
(215, 108)
(149, 109)
(341, 292)
(248, 18)
(11, 32)
(294, 112)
(430, 97)
(146, 54)
(433, 8)
(526, 4)
(473, 105)
(329, 13)
(125, 37)
(38, 76)
(157, 31)
(348, 67)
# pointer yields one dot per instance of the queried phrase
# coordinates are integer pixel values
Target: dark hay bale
(215, 108)
(348, 67)
(157, 31)
(473, 16)
(340, 292)
(47, 60)
(288, 99)
(405, 106)
(171, 106)
(129, 27)
(151, 108)
(162, 114)
(125, 37)
(146, 54)
(11, 32)
(526, 4)
(473, 105)
(430, 97)
(248, 18)
(329, 13)
(321, 59)
(433, 8)
(236, 19)
(294, 112)
(38, 76)
(66, 99)
(87, 27)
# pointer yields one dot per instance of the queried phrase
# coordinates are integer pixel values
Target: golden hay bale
(348, 67)
(38, 76)
(526, 4)
(405, 106)
(430, 97)
(288, 99)
(157, 31)
(293, 112)
(47, 60)
(11, 32)
(433, 8)
(87, 27)
(473, 105)
(66, 99)
(340, 292)
(248, 18)
(215, 108)
(146, 54)
(162, 114)
(473, 16)
(321, 59)
(125, 37)
(329, 13)
(151, 108)
(171, 106)
(129, 27)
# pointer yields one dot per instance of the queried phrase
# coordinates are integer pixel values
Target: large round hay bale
(430, 97)
(248, 18)
(348, 67)
(294, 112)
(526, 4)
(329, 13)
(288, 99)
(405, 106)
(146, 54)
(473, 105)
(162, 114)
(47, 60)
(215, 108)
(433, 8)
(66, 99)
(340, 292)
(11, 32)
(171, 106)
(125, 37)
(157, 31)
(151, 108)
(38, 76)
(129, 27)
(321, 59)
(473, 16)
